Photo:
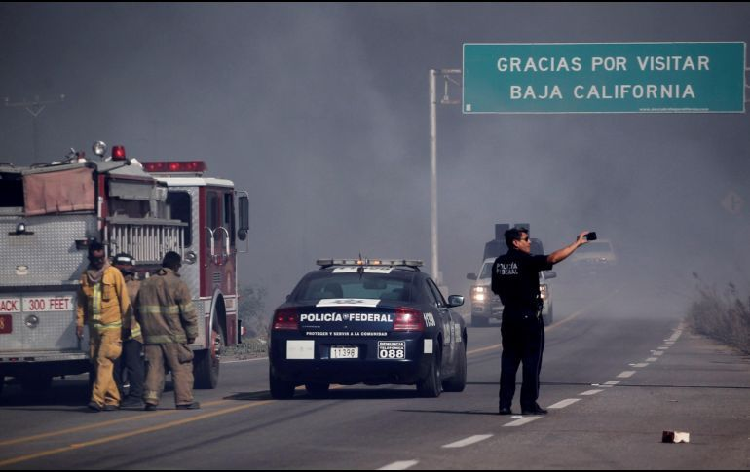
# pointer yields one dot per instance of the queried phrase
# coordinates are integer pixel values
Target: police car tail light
(285, 320)
(408, 320)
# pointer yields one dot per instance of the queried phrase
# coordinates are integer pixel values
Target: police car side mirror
(455, 301)
(471, 276)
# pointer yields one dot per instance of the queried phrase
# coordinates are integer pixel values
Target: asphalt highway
(617, 372)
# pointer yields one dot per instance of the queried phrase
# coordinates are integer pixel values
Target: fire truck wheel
(206, 364)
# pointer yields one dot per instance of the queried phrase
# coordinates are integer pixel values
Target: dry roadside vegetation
(722, 316)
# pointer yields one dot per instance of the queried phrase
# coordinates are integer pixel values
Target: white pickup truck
(485, 305)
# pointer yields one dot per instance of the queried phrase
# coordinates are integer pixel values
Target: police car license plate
(344, 352)
(6, 324)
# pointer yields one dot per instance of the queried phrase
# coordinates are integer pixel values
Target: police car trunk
(348, 325)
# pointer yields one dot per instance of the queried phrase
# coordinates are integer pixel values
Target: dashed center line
(657, 353)
(611, 382)
(626, 375)
(468, 441)
(651, 359)
(590, 392)
(522, 421)
(400, 465)
(640, 365)
(565, 403)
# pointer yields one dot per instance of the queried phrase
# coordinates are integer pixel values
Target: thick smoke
(321, 112)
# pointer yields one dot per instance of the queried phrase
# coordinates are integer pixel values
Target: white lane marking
(399, 465)
(590, 392)
(652, 359)
(468, 441)
(611, 382)
(245, 360)
(626, 375)
(565, 403)
(669, 343)
(522, 421)
(662, 348)
(606, 386)
(640, 365)
(657, 353)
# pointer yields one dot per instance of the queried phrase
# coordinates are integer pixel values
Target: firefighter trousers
(131, 362)
(106, 347)
(179, 359)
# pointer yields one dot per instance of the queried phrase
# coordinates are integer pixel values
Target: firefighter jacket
(104, 304)
(134, 329)
(164, 309)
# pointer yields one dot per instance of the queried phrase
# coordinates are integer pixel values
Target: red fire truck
(50, 213)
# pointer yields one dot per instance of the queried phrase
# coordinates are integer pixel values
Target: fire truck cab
(49, 214)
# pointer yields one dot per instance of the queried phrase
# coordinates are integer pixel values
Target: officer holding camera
(515, 278)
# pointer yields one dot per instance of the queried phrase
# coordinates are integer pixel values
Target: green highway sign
(604, 78)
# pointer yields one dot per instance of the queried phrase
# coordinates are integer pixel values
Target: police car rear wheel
(280, 389)
(457, 383)
(431, 386)
(317, 389)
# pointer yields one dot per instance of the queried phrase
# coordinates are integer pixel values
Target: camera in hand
(591, 236)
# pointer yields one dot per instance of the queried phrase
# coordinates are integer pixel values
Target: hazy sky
(321, 112)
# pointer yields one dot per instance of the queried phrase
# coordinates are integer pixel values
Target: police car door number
(344, 352)
(391, 350)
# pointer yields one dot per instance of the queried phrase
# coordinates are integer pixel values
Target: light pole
(35, 108)
(445, 100)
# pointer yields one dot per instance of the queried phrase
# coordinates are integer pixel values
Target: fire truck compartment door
(56, 192)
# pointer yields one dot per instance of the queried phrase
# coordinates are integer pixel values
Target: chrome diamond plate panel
(54, 331)
(49, 255)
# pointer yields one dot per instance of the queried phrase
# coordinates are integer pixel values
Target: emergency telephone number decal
(391, 350)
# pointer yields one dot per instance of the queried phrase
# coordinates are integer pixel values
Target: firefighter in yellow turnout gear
(169, 323)
(103, 304)
(131, 361)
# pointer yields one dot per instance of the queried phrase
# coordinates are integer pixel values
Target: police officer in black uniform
(515, 278)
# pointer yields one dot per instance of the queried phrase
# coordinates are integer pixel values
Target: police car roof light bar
(370, 262)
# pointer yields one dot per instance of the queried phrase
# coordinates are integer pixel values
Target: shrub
(724, 317)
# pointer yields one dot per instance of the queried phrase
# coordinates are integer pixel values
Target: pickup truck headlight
(479, 294)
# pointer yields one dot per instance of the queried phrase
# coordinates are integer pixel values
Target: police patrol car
(370, 321)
